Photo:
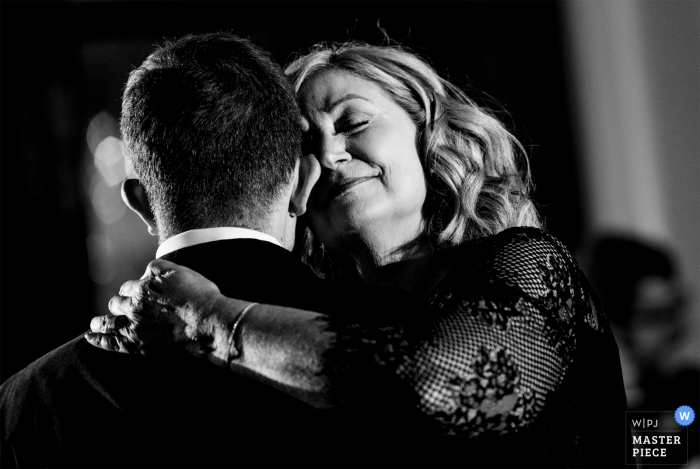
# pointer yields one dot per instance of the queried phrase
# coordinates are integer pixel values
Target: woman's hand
(164, 312)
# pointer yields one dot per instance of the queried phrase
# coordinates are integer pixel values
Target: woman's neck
(419, 273)
(404, 274)
(394, 257)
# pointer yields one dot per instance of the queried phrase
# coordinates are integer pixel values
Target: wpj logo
(684, 415)
(659, 438)
(645, 423)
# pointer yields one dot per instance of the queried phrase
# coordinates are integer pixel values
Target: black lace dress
(514, 366)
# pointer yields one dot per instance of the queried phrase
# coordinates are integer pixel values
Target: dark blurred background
(604, 95)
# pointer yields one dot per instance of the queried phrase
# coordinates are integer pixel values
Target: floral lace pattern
(498, 341)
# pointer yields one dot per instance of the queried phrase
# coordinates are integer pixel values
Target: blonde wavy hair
(477, 173)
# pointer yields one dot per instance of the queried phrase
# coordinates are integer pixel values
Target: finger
(109, 324)
(159, 267)
(122, 306)
(141, 288)
(133, 287)
(112, 343)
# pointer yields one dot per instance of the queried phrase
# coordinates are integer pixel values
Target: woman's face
(372, 182)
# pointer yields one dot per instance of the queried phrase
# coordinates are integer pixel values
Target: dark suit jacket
(82, 406)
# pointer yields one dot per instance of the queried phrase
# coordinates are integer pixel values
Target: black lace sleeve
(498, 340)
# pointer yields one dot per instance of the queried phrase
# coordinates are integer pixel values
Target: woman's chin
(354, 215)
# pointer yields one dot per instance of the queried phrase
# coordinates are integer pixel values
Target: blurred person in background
(639, 287)
(424, 191)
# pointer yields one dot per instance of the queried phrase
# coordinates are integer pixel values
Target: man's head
(211, 127)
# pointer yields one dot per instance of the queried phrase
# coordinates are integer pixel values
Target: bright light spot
(100, 249)
(106, 148)
(101, 126)
(109, 160)
(107, 202)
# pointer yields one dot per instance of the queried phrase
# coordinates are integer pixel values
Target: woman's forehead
(329, 89)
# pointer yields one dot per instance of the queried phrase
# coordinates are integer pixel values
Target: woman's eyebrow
(341, 100)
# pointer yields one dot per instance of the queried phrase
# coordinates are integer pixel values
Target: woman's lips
(344, 185)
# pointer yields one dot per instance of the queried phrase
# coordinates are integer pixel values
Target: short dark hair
(212, 129)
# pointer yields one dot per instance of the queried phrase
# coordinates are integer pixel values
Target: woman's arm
(282, 346)
(172, 307)
(498, 342)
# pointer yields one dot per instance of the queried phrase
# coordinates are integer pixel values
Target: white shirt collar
(206, 235)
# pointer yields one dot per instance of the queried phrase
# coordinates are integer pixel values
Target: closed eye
(349, 128)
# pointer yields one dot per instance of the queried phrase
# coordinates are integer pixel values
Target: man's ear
(134, 196)
(306, 174)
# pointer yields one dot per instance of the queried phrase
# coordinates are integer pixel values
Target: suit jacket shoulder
(179, 411)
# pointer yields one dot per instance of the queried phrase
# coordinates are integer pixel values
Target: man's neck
(282, 227)
(206, 235)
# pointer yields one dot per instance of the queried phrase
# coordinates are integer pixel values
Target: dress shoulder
(520, 264)
(497, 342)
(503, 332)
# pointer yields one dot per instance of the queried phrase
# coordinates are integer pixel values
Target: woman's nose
(332, 152)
